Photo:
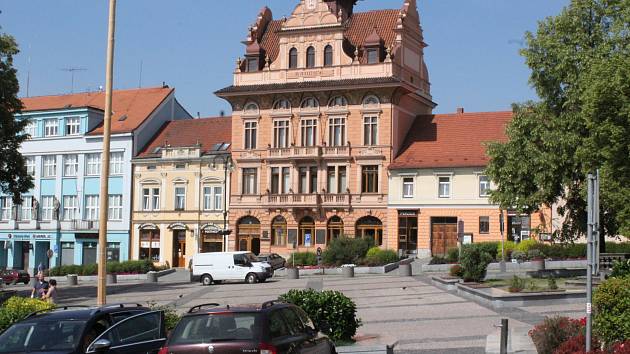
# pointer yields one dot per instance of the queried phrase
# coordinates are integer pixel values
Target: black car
(275, 260)
(117, 328)
(269, 328)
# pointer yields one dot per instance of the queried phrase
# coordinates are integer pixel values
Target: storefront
(22, 250)
(407, 232)
(211, 238)
(518, 226)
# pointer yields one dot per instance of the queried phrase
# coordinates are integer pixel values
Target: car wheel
(251, 278)
(206, 280)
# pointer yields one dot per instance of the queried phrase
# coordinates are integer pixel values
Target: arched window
(370, 227)
(371, 101)
(310, 103)
(306, 232)
(293, 58)
(248, 235)
(338, 102)
(279, 231)
(310, 57)
(282, 105)
(251, 108)
(328, 55)
(334, 229)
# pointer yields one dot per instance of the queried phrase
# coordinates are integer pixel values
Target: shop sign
(145, 244)
(155, 244)
(29, 236)
(407, 213)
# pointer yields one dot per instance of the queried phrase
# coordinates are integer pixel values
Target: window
(328, 56)
(115, 207)
(286, 180)
(70, 165)
(180, 198)
(281, 134)
(30, 165)
(309, 131)
(336, 132)
(275, 180)
(341, 179)
(250, 181)
(116, 163)
(371, 102)
(218, 198)
(310, 104)
(293, 58)
(369, 180)
(303, 180)
(484, 224)
(330, 185)
(408, 187)
(310, 57)
(91, 207)
(26, 209)
(150, 199)
(180, 166)
(150, 245)
(50, 166)
(252, 64)
(31, 129)
(6, 208)
(336, 179)
(484, 186)
(370, 130)
(48, 205)
(282, 105)
(70, 208)
(72, 125)
(92, 164)
(444, 188)
(250, 135)
(308, 180)
(279, 231)
(51, 127)
(213, 198)
(313, 172)
(338, 102)
(372, 56)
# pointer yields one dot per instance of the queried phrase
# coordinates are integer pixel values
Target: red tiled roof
(270, 41)
(136, 104)
(451, 140)
(189, 132)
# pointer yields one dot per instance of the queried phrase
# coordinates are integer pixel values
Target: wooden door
(443, 238)
(179, 248)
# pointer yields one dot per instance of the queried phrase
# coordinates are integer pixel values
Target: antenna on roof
(222, 113)
(198, 115)
(72, 70)
(140, 79)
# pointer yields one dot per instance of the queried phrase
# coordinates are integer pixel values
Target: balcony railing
(335, 200)
(336, 151)
(84, 225)
(295, 152)
(291, 200)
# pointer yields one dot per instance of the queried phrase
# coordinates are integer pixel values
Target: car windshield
(43, 336)
(212, 328)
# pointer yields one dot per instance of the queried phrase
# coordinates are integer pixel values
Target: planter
(152, 277)
(112, 279)
(348, 272)
(538, 264)
(293, 273)
(73, 279)
(404, 270)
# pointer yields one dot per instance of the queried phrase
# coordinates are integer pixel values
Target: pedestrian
(40, 287)
(51, 293)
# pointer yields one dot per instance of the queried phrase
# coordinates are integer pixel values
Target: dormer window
(373, 56)
(328, 56)
(252, 64)
(373, 47)
(310, 57)
(293, 58)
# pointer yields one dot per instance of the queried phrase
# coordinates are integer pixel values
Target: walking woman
(51, 294)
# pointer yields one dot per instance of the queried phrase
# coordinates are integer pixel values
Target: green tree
(580, 63)
(14, 180)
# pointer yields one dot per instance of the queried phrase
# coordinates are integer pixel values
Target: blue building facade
(58, 220)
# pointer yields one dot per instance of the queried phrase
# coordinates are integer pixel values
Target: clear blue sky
(192, 45)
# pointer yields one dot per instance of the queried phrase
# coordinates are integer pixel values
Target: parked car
(275, 260)
(219, 266)
(14, 276)
(269, 328)
(116, 329)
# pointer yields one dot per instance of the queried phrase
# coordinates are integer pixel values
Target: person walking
(40, 287)
(51, 293)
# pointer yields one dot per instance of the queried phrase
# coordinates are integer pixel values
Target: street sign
(501, 223)
(307, 240)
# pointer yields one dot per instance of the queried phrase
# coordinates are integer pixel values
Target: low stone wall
(357, 270)
(496, 298)
(372, 349)
(436, 268)
(121, 278)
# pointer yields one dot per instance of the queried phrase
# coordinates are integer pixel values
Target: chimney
(460, 110)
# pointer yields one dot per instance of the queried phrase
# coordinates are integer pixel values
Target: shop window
(113, 251)
(370, 227)
(334, 229)
(279, 231)
(306, 232)
(150, 245)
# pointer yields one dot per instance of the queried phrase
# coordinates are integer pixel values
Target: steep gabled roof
(189, 132)
(451, 140)
(136, 104)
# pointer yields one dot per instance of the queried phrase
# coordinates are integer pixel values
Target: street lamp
(228, 163)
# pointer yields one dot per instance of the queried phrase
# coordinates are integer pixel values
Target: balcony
(296, 152)
(336, 152)
(291, 201)
(335, 201)
(83, 225)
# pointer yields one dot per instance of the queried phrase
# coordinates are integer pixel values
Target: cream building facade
(181, 192)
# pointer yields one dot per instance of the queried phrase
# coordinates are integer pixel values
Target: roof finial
(239, 63)
(356, 55)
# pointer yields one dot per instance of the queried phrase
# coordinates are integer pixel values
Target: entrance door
(25, 255)
(243, 244)
(67, 253)
(179, 248)
(443, 235)
(255, 248)
(89, 252)
(408, 232)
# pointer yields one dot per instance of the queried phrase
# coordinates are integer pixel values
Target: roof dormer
(373, 48)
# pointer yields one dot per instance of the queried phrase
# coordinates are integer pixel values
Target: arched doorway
(248, 235)
(370, 227)
(306, 232)
(334, 228)
(279, 231)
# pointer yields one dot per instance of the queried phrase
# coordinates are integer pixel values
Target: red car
(13, 276)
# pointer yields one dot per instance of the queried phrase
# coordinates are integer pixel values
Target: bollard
(348, 272)
(504, 336)
(73, 279)
(293, 273)
(112, 279)
(404, 270)
(152, 277)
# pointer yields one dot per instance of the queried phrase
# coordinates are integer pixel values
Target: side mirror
(101, 345)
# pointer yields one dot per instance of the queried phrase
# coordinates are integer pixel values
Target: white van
(219, 266)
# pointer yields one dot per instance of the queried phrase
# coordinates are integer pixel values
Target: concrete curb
(121, 278)
(510, 300)
(339, 271)
(368, 349)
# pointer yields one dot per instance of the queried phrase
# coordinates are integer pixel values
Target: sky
(193, 45)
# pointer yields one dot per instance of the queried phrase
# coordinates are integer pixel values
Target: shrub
(621, 269)
(519, 256)
(517, 284)
(621, 347)
(456, 271)
(171, 317)
(452, 255)
(551, 283)
(346, 250)
(474, 262)
(508, 248)
(526, 245)
(576, 345)
(554, 331)
(492, 248)
(612, 310)
(534, 254)
(140, 267)
(329, 307)
(614, 247)
(16, 308)
(438, 260)
(378, 257)
(302, 259)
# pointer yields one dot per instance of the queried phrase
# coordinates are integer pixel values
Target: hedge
(345, 250)
(474, 261)
(16, 308)
(612, 310)
(302, 259)
(378, 257)
(128, 267)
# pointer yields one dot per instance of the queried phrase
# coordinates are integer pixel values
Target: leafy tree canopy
(14, 180)
(580, 63)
